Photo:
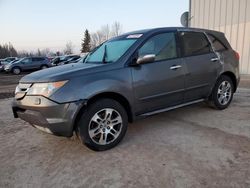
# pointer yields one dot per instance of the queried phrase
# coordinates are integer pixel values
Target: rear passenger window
(163, 46)
(194, 43)
(37, 59)
(218, 46)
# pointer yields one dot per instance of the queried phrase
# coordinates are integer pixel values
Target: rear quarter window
(217, 44)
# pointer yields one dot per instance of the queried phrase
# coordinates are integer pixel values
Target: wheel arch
(43, 65)
(232, 76)
(110, 95)
(16, 67)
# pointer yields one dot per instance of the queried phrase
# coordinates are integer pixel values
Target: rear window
(194, 43)
(217, 44)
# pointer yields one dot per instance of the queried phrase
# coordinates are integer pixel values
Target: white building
(229, 16)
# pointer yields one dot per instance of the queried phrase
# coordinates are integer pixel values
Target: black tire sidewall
(215, 90)
(16, 68)
(82, 126)
(42, 67)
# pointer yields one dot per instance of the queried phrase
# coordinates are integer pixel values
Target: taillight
(237, 55)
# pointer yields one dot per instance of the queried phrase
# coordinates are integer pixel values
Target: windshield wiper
(104, 55)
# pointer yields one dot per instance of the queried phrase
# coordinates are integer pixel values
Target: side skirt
(170, 108)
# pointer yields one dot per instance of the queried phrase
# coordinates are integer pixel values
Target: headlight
(45, 89)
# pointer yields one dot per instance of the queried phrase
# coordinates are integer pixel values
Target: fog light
(37, 101)
(44, 129)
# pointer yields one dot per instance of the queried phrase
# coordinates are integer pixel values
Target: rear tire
(222, 93)
(102, 125)
(16, 70)
(44, 67)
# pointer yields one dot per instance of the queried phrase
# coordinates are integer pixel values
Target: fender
(86, 87)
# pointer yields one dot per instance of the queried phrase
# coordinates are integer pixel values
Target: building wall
(229, 16)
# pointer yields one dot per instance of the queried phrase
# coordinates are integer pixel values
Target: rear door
(160, 83)
(37, 62)
(201, 64)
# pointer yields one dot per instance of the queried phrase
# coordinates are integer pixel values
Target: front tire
(102, 125)
(16, 70)
(222, 93)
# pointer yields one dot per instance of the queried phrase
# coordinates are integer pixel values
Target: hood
(64, 72)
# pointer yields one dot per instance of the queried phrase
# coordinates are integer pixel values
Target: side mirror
(149, 58)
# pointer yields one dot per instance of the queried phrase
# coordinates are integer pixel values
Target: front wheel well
(110, 95)
(15, 67)
(233, 78)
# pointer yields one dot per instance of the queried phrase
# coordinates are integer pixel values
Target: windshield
(110, 51)
(81, 60)
(19, 60)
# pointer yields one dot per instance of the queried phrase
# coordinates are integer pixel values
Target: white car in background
(3, 63)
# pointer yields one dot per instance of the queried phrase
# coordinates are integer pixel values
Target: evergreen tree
(7, 50)
(12, 50)
(86, 42)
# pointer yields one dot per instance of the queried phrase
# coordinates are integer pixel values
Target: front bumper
(47, 115)
(7, 69)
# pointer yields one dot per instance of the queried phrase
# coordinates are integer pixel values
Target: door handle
(175, 67)
(215, 59)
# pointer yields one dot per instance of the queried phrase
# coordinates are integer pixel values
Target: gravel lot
(8, 84)
(195, 146)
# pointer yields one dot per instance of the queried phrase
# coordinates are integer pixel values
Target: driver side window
(163, 46)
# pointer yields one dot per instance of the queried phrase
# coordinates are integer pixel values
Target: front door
(159, 84)
(26, 63)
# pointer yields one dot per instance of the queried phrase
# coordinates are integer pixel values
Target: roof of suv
(144, 31)
(217, 34)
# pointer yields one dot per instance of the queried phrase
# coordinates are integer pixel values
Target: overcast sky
(33, 24)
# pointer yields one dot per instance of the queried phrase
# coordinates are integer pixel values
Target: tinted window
(194, 43)
(162, 45)
(218, 46)
(37, 59)
(26, 61)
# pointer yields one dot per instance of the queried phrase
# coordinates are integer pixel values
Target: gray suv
(28, 63)
(134, 75)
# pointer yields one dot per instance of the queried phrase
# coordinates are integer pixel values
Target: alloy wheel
(224, 93)
(105, 126)
(16, 71)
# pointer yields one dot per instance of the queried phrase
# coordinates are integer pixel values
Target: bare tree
(105, 33)
(46, 52)
(105, 30)
(68, 48)
(97, 38)
(24, 53)
(39, 52)
(116, 29)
